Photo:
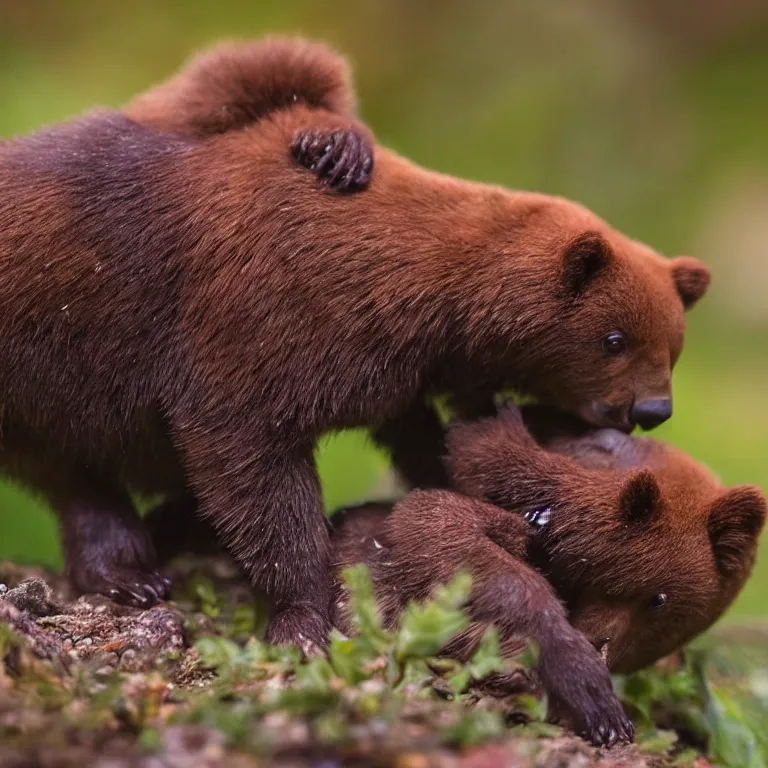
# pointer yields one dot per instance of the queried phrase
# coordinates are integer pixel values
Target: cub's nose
(650, 413)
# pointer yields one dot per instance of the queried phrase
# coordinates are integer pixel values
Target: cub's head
(612, 322)
(664, 554)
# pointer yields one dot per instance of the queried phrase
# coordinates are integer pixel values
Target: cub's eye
(658, 601)
(614, 343)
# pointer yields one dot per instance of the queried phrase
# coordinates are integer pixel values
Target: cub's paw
(300, 626)
(486, 435)
(580, 692)
(123, 584)
(341, 159)
(607, 729)
(509, 413)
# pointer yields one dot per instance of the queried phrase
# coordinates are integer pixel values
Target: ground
(86, 682)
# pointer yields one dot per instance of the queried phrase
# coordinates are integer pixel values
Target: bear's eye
(614, 343)
(658, 601)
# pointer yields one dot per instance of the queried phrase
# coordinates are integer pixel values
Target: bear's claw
(128, 586)
(341, 159)
(608, 736)
(579, 685)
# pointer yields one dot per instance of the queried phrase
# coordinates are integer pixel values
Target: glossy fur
(234, 85)
(430, 536)
(602, 521)
(630, 518)
(107, 548)
(188, 314)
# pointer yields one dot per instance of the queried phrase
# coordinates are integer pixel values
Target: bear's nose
(650, 413)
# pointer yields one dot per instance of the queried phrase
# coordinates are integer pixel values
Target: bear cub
(590, 542)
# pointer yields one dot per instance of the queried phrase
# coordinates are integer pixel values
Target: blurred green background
(653, 113)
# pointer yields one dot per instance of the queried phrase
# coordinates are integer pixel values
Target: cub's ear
(640, 498)
(585, 257)
(735, 521)
(691, 279)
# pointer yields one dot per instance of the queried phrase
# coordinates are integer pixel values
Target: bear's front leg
(415, 441)
(263, 497)
(107, 548)
(341, 158)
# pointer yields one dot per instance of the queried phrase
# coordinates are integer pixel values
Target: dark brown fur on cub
(429, 537)
(643, 545)
(187, 316)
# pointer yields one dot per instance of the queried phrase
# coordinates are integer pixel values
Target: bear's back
(87, 280)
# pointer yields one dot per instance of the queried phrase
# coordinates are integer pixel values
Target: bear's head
(663, 552)
(609, 313)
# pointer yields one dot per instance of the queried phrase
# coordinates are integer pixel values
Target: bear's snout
(650, 413)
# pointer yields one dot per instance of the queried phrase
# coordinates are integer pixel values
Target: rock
(91, 627)
(33, 596)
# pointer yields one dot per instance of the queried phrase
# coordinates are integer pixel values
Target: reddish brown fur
(433, 534)
(630, 519)
(237, 84)
(189, 317)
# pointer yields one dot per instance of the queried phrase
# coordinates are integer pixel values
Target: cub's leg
(263, 498)
(431, 535)
(496, 459)
(107, 548)
(234, 86)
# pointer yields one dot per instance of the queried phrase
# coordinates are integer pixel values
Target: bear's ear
(691, 279)
(585, 257)
(735, 520)
(640, 498)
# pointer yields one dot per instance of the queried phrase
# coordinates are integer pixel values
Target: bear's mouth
(603, 416)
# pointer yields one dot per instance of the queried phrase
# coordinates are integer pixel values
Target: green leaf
(658, 742)
(348, 658)
(150, 740)
(531, 707)
(427, 627)
(476, 726)
(487, 658)
(218, 653)
(732, 741)
(363, 611)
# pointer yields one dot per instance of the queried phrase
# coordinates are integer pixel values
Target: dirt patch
(87, 682)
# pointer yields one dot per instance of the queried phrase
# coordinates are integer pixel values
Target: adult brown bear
(188, 316)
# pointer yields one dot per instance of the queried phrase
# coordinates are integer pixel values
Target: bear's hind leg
(415, 440)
